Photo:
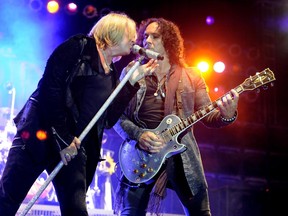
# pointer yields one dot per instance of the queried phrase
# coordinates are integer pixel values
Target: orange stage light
(41, 135)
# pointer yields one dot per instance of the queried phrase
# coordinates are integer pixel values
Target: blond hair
(110, 29)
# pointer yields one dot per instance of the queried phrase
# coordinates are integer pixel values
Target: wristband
(229, 119)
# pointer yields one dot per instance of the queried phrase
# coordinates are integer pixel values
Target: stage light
(209, 20)
(35, 5)
(218, 91)
(236, 68)
(90, 11)
(219, 67)
(52, 7)
(25, 135)
(41, 135)
(253, 54)
(71, 8)
(203, 66)
(235, 50)
(104, 11)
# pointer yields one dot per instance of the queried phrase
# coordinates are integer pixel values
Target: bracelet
(229, 119)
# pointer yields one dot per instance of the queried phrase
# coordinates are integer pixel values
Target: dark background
(245, 163)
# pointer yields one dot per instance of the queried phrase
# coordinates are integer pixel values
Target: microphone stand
(9, 128)
(82, 135)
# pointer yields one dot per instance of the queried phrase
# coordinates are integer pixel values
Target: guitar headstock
(259, 79)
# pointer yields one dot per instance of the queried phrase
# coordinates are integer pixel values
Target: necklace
(159, 87)
(106, 62)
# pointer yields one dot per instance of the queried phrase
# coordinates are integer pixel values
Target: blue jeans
(135, 200)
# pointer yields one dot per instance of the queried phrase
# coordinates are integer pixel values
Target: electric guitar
(140, 166)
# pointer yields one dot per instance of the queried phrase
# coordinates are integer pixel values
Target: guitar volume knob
(143, 165)
(135, 171)
(150, 169)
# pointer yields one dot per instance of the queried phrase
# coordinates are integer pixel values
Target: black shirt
(152, 110)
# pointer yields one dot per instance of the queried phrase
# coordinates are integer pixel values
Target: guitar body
(140, 166)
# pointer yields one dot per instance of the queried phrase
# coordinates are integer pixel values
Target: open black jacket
(72, 90)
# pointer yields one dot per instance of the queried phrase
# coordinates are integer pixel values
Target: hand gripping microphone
(146, 52)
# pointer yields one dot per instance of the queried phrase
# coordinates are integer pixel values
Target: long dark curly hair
(171, 37)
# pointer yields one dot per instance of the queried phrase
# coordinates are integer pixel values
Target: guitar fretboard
(264, 77)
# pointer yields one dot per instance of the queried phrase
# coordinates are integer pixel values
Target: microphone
(146, 52)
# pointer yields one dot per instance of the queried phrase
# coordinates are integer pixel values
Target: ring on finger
(67, 155)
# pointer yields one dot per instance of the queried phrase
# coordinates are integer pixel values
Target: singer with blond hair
(79, 77)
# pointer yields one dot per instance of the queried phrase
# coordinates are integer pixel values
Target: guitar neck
(253, 82)
(198, 115)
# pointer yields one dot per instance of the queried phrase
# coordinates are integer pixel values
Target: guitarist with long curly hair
(172, 89)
